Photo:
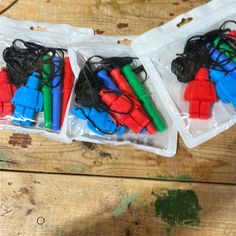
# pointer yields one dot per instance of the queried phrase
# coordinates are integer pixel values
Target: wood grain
(71, 205)
(105, 16)
(39, 204)
(214, 161)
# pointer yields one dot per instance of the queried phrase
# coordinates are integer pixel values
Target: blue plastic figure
(101, 120)
(28, 100)
(225, 86)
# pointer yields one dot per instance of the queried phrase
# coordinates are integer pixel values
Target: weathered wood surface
(40, 204)
(214, 161)
(105, 16)
(68, 205)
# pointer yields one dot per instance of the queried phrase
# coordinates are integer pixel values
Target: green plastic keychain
(225, 48)
(143, 97)
(47, 93)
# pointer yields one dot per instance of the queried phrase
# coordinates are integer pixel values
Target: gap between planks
(116, 177)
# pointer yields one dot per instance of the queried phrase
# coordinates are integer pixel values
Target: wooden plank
(105, 16)
(214, 161)
(40, 204)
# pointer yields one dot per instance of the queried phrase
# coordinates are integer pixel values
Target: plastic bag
(22, 104)
(156, 50)
(162, 143)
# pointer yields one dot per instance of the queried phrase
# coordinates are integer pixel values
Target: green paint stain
(182, 178)
(125, 201)
(82, 192)
(78, 168)
(162, 177)
(178, 207)
(168, 231)
(3, 159)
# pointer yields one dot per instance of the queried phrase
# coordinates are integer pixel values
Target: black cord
(121, 112)
(87, 89)
(24, 58)
(140, 69)
(197, 53)
(94, 124)
(88, 86)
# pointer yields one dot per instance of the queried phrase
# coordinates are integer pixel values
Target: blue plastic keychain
(225, 86)
(27, 101)
(99, 122)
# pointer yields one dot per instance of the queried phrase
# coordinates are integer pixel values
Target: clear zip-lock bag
(36, 78)
(215, 111)
(108, 108)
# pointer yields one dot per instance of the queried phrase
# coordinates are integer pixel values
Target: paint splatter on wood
(181, 178)
(20, 140)
(124, 203)
(82, 192)
(3, 162)
(106, 155)
(89, 146)
(77, 168)
(122, 25)
(178, 207)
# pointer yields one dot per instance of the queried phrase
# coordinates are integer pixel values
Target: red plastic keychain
(67, 86)
(201, 94)
(7, 91)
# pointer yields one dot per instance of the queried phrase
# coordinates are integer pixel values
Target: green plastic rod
(143, 97)
(225, 48)
(47, 92)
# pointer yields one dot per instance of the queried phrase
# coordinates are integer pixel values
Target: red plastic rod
(67, 87)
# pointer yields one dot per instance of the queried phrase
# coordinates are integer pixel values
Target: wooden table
(50, 188)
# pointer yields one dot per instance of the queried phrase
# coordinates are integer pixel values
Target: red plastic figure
(124, 86)
(134, 120)
(201, 94)
(7, 91)
(67, 87)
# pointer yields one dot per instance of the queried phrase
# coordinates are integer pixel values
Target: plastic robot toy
(98, 121)
(125, 113)
(202, 94)
(7, 91)
(136, 119)
(27, 101)
(225, 86)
